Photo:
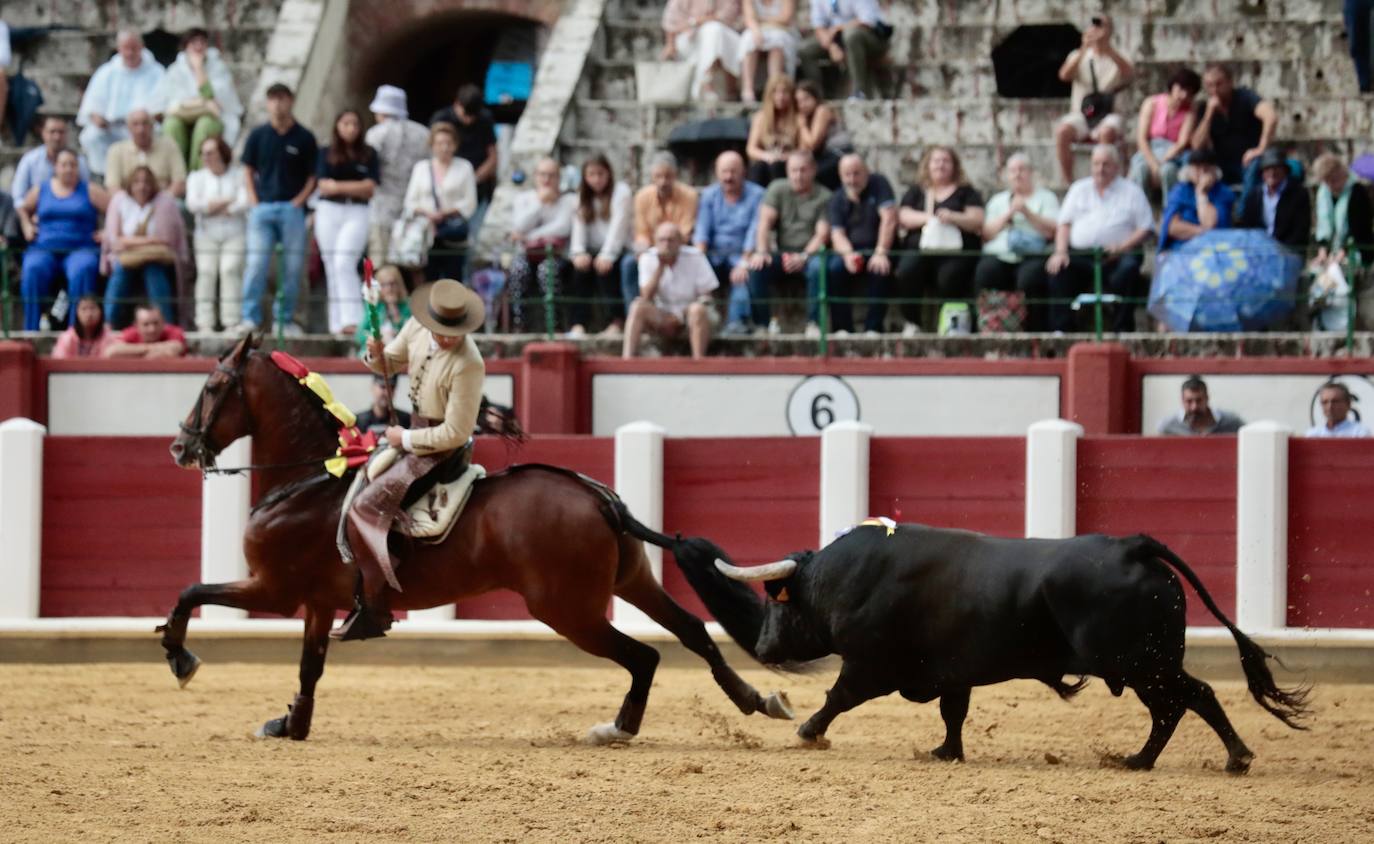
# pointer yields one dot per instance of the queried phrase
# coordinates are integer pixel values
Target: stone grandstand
(941, 80)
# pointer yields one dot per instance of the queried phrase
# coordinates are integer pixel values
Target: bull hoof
(813, 742)
(1137, 763)
(776, 705)
(945, 754)
(184, 666)
(604, 734)
(276, 728)
(1239, 764)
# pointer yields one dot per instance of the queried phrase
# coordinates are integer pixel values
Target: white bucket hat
(390, 101)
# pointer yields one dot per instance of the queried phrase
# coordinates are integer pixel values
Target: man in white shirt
(1103, 212)
(1335, 399)
(675, 284)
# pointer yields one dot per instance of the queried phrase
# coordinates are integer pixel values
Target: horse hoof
(604, 734)
(813, 742)
(776, 705)
(184, 666)
(1239, 764)
(946, 755)
(276, 728)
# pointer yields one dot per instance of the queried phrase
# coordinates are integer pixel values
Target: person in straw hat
(435, 347)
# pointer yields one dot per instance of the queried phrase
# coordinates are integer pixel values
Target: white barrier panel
(224, 504)
(1052, 479)
(1262, 526)
(639, 482)
(844, 477)
(21, 516)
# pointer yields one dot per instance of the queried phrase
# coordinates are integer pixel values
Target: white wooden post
(639, 482)
(1262, 527)
(1052, 479)
(21, 516)
(844, 477)
(224, 503)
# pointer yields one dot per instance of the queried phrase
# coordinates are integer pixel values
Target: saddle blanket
(434, 515)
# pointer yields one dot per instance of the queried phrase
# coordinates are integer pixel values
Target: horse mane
(328, 424)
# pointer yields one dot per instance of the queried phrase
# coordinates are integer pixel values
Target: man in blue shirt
(1335, 399)
(279, 165)
(35, 167)
(726, 215)
(853, 34)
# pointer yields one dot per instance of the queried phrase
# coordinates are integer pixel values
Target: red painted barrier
(757, 498)
(971, 483)
(121, 527)
(1330, 522)
(1182, 491)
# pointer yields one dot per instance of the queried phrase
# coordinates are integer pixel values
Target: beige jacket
(445, 386)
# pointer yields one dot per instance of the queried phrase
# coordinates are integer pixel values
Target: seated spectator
(1344, 212)
(541, 225)
(59, 219)
(1104, 212)
(196, 98)
(393, 309)
(1336, 399)
(1018, 227)
(665, 199)
(401, 143)
(149, 336)
(1096, 72)
(347, 173)
(677, 283)
(117, 87)
(88, 336)
(1197, 417)
(821, 132)
(600, 234)
(726, 217)
(442, 188)
(476, 133)
(1237, 125)
(377, 417)
(769, 29)
(1164, 129)
(863, 224)
(144, 237)
(36, 166)
(144, 149)
(706, 34)
(943, 217)
(218, 198)
(1199, 204)
(773, 133)
(1281, 206)
(794, 207)
(853, 35)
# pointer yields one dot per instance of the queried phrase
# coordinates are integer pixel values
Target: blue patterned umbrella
(1225, 280)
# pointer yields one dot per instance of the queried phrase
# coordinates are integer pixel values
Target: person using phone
(1096, 71)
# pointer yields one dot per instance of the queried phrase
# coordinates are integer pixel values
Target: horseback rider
(436, 349)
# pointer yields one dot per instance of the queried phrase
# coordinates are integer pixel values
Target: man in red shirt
(149, 337)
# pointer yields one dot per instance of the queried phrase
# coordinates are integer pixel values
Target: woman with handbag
(440, 199)
(196, 98)
(144, 238)
(59, 218)
(348, 173)
(218, 197)
(1019, 223)
(943, 217)
(1096, 71)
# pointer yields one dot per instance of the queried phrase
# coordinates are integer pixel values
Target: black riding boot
(371, 617)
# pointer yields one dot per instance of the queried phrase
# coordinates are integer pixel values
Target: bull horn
(752, 574)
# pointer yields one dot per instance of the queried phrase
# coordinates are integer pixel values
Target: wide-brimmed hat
(448, 308)
(390, 101)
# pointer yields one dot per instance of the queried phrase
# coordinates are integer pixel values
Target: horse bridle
(197, 436)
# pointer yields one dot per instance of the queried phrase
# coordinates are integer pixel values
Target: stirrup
(361, 624)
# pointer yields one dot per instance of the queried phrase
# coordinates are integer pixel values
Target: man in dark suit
(1281, 206)
(377, 417)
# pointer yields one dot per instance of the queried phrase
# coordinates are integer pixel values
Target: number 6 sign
(818, 401)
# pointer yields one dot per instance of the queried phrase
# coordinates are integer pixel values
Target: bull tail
(1288, 705)
(735, 606)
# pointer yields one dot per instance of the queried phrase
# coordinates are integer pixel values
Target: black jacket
(1292, 218)
(1360, 216)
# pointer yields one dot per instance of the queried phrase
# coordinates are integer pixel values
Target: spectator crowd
(157, 205)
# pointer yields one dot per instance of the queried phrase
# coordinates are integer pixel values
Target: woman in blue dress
(60, 218)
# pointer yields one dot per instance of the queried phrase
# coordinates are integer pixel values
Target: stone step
(86, 50)
(147, 15)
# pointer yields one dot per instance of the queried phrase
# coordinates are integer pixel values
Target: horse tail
(1288, 705)
(735, 606)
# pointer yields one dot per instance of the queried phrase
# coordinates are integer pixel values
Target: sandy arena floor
(116, 752)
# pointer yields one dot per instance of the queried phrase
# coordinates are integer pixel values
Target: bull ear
(754, 574)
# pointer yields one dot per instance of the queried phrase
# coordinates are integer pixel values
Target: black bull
(931, 613)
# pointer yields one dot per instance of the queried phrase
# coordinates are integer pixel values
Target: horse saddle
(437, 511)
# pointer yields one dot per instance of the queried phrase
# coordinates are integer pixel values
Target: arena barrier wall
(108, 528)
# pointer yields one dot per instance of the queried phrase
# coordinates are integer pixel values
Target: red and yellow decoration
(354, 445)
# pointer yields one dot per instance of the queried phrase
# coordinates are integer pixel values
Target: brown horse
(564, 542)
